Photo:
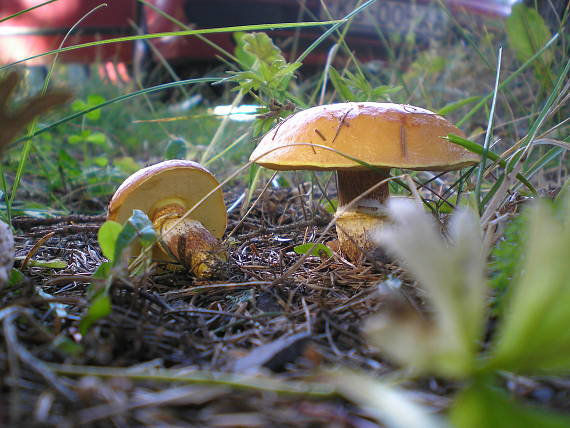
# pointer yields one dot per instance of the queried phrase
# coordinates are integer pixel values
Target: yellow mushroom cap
(381, 134)
(181, 180)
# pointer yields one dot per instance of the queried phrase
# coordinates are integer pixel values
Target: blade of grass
(488, 134)
(232, 29)
(26, 10)
(476, 148)
(332, 29)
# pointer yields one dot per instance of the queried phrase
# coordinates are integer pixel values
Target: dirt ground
(246, 349)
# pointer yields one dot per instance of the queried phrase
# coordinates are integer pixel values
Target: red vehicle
(43, 28)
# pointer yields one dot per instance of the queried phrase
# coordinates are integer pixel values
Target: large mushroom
(165, 192)
(379, 135)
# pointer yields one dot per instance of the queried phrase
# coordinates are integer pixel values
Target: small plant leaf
(138, 226)
(100, 307)
(316, 250)
(534, 337)
(107, 237)
(482, 405)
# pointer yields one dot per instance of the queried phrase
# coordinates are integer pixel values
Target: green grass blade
(488, 134)
(256, 27)
(335, 26)
(26, 10)
(476, 148)
(451, 107)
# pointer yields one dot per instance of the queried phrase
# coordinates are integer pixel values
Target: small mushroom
(165, 192)
(382, 135)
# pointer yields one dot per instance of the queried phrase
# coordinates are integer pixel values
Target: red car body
(43, 29)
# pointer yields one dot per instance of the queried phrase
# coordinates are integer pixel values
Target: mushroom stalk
(187, 240)
(356, 222)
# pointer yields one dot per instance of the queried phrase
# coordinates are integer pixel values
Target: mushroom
(165, 192)
(379, 135)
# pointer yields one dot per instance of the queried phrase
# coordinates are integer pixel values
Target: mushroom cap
(385, 135)
(183, 180)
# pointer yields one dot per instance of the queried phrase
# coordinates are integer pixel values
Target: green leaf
(527, 32)
(100, 307)
(16, 277)
(176, 149)
(317, 250)
(331, 206)
(97, 138)
(107, 237)
(138, 226)
(126, 164)
(483, 406)
(101, 161)
(48, 264)
(534, 337)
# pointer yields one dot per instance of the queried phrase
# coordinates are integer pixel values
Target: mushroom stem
(187, 240)
(354, 226)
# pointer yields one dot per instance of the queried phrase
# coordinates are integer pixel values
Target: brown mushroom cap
(381, 134)
(182, 180)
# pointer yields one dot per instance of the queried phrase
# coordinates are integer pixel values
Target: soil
(245, 349)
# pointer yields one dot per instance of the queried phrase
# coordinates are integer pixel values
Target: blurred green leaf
(107, 237)
(126, 164)
(534, 336)
(316, 250)
(176, 149)
(526, 34)
(16, 277)
(97, 138)
(482, 405)
(100, 307)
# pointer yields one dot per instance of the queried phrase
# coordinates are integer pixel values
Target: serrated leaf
(316, 250)
(107, 237)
